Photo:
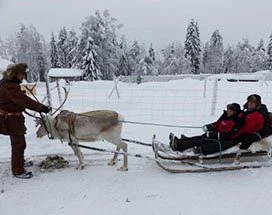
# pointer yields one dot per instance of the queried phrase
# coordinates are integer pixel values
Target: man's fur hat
(14, 69)
(254, 98)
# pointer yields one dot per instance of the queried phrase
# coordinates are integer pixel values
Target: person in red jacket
(217, 136)
(13, 102)
(256, 121)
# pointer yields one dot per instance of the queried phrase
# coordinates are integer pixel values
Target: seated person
(255, 122)
(218, 135)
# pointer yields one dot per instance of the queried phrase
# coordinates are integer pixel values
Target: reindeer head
(43, 126)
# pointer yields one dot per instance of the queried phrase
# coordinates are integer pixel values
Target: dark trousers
(207, 146)
(18, 145)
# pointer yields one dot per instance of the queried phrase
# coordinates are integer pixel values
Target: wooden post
(205, 88)
(115, 86)
(59, 93)
(49, 98)
(214, 98)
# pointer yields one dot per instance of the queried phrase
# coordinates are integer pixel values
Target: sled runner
(257, 156)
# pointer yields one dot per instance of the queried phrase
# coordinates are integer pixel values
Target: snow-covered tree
(174, 61)
(259, 57)
(53, 52)
(171, 64)
(136, 59)
(228, 61)
(89, 66)
(192, 46)
(269, 53)
(102, 29)
(206, 58)
(243, 57)
(216, 51)
(123, 66)
(63, 48)
(151, 53)
(29, 47)
(72, 42)
(3, 50)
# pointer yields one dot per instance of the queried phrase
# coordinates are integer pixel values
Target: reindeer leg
(123, 146)
(115, 156)
(79, 155)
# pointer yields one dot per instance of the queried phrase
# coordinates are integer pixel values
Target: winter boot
(173, 141)
(24, 175)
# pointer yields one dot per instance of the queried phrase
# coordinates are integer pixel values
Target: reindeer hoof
(123, 169)
(112, 162)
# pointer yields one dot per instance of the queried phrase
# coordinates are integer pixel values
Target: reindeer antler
(65, 99)
(31, 92)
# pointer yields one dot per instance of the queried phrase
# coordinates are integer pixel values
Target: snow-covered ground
(144, 188)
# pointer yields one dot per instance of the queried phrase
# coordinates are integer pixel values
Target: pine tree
(228, 60)
(53, 52)
(269, 53)
(259, 57)
(136, 59)
(216, 51)
(192, 46)
(72, 41)
(206, 58)
(102, 29)
(63, 48)
(3, 50)
(151, 53)
(30, 50)
(123, 66)
(89, 66)
(243, 59)
(174, 61)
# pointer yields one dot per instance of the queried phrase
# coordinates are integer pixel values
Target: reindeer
(84, 127)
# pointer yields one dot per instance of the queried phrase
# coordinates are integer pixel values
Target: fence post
(115, 86)
(205, 87)
(59, 93)
(214, 97)
(49, 98)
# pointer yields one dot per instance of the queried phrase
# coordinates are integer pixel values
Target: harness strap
(71, 125)
(57, 128)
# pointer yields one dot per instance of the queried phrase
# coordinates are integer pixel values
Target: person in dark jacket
(256, 122)
(218, 135)
(13, 102)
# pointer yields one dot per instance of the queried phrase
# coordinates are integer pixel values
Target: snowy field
(144, 188)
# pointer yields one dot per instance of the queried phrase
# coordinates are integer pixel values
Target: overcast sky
(156, 21)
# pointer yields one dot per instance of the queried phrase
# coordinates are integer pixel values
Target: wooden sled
(228, 160)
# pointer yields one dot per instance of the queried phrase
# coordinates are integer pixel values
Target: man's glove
(208, 127)
(46, 109)
(249, 140)
(213, 135)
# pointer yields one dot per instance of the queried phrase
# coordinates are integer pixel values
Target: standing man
(13, 102)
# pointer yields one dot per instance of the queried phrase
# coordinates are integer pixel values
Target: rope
(147, 123)
(156, 124)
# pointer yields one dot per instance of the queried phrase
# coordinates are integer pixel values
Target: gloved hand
(204, 128)
(208, 127)
(249, 140)
(213, 135)
(46, 109)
